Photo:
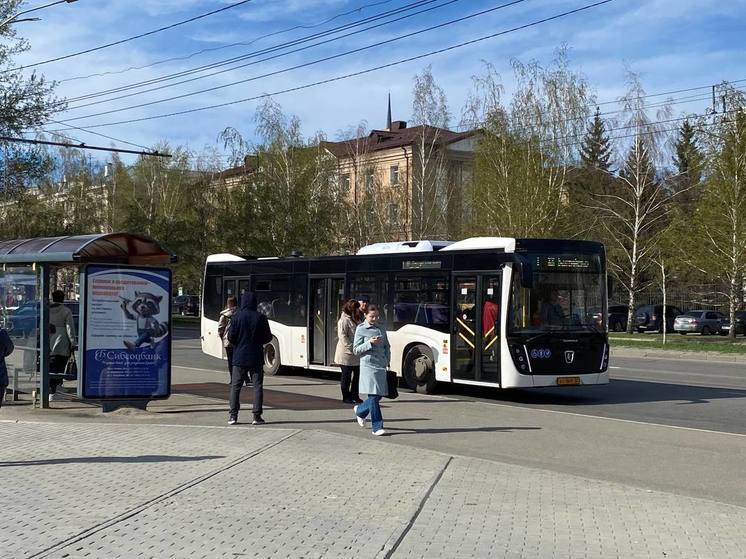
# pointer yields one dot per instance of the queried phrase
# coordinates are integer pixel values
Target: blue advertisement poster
(127, 338)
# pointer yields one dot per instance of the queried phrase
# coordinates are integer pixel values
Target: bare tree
(290, 200)
(523, 159)
(432, 187)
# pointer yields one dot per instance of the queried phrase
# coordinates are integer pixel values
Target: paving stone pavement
(486, 509)
(125, 491)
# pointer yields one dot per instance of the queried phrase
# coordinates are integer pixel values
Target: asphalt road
(682, 393)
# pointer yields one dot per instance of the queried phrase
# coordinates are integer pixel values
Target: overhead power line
(360, 72)
(359, 9)
(97, 134)
(305, 64)
(155, 153)
(267, 50)
(122, 41)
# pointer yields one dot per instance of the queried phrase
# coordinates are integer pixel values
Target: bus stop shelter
(29, 262)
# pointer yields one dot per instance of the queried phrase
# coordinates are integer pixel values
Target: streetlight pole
(13, 19)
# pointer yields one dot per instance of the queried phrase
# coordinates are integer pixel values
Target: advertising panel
(127, 338)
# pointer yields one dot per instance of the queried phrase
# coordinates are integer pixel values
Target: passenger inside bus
(550, 311)
(490, 312)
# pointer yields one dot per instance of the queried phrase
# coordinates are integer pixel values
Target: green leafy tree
(718, 229)
(26, 102)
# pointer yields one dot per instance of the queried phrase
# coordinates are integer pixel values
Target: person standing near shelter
(372, 345)
(344, 357)
(248, 332)
(6, 348)
(223, 325)
(61, 340)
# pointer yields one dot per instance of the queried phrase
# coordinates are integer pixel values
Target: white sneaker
(379, 433)
(232, 421)
(360, 420)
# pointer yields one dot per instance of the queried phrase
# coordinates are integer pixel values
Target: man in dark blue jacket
(248, 332)
(6, 348)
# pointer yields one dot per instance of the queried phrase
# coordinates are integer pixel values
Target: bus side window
(213, 299)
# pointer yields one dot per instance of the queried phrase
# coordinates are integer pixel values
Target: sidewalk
(78, 490)
(656, 353)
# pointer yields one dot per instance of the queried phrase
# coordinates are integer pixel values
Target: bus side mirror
(609, 285)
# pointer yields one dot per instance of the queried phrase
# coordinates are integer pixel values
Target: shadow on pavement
(147, 458)
(341, 421)
(393, 431)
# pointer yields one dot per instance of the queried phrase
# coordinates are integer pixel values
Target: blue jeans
(371, 406)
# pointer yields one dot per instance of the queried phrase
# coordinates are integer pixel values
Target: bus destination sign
(421, 265)
(566, 263)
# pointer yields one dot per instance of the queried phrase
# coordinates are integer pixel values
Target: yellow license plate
(568, 380)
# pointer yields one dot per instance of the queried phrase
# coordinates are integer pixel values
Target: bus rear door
(326, 300)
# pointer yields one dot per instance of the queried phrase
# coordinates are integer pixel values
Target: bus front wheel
(419, 369)
(272, 357)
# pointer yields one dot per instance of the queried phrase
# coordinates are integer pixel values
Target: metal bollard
(16, 370)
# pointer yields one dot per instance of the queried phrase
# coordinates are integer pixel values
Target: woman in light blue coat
(372, 345)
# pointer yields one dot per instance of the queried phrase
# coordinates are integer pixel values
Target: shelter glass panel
(19, 316)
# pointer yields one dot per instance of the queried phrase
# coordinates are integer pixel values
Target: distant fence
(699, 297)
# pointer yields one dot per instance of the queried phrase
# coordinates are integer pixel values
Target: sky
(671, 44)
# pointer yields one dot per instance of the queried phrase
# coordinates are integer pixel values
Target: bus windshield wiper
(541, 335)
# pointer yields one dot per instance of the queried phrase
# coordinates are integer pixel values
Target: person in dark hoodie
(6, 348)
(248, 332)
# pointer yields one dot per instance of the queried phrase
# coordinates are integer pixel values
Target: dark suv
(648, 318)
(617, 318)
(185, 304)
(740, 324)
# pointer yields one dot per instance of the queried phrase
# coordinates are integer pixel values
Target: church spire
(388, 116)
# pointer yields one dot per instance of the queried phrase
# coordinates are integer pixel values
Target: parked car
(25, 319)
(617, 318)
(740, 324)
(185, 304)
(649, 318)
(701, 322)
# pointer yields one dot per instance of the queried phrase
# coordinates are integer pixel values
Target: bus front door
(327, 298)
(476, 328)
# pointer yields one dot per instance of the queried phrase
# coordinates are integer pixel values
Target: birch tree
(432, 189)
(527, 148)
(638, 204)
(290, 200)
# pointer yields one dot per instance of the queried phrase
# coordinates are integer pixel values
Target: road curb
(707, 356)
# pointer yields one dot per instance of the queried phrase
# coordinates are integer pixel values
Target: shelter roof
(116, 248)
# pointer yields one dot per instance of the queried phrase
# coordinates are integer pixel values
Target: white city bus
(488, 311)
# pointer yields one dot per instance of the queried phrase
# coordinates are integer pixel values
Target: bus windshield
(567, 295)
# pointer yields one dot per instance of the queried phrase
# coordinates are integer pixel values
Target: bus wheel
(419, 369)
(272, 357)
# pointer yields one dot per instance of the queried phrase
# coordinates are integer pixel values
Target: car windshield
(693, 314)
(568, 295)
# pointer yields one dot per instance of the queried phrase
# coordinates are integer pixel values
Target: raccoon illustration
(144, 309)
